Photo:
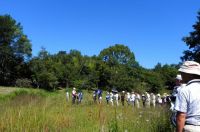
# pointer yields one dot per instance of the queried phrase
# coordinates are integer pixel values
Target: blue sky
(152, 29)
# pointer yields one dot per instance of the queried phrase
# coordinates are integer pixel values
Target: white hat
(74, 88)
(178, 77)
(190, 67)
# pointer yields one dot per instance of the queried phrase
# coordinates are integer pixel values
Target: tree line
(114, 67)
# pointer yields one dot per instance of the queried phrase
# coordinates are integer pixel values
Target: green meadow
(30, 110)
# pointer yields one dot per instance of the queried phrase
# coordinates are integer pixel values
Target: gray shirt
(188, 101)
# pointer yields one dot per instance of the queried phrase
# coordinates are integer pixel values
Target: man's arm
(180, 121)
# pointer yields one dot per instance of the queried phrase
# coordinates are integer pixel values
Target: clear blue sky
(152, 29)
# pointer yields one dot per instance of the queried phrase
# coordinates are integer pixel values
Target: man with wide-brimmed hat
(188, 98)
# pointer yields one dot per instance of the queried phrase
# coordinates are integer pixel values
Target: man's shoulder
(185, 90)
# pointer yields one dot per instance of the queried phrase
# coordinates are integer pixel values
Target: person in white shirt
(74, 95)
(132, 99)
(137, 100)
(153, 100)
(111, 98)
(128, 98)
(147, 102)
(158, 100)
(188, 99)
(164, 99)
(67, 95)
(178, 82)
(117, 98)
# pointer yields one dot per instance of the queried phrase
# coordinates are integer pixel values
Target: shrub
(24, 82)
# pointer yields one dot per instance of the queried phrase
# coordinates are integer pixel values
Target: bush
(24, 82)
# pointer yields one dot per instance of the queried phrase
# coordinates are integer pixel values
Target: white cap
(190, 67)
(178, 77)
(74, 88)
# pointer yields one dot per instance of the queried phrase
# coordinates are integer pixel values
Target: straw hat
(190, 67)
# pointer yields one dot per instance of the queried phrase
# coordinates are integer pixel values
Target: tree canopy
(193, 42)
(115, 66)
(15, 48)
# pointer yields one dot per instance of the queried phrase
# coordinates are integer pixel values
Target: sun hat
(190, 67)
(178, 77)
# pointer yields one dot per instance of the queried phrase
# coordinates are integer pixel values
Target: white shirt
(188, 101)
(132, 97)
(116, 96)
(147, 97)
(128, 96)
(74, 92)
(153, 97)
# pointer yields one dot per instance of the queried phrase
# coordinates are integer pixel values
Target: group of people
(185, 98)
(134, 99)
(77, 97)
(126, 98)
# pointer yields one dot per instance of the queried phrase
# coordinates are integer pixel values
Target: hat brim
(195, 72)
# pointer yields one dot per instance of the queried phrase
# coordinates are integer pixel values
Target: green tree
(15, 49)
(118, 54)
(120, 64)
(193, 42)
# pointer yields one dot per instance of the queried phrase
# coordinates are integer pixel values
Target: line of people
(134, 99)
(126, 98)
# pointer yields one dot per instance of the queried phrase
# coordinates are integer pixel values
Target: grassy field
(37, 110)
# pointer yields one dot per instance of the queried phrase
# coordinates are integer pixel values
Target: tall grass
(43, 111)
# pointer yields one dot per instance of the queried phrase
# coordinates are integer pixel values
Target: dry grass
(33, 112)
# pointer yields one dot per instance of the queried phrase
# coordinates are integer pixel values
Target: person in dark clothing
(123, 97)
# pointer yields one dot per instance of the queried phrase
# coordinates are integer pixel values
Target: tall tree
(193, 41)
(118, 54)
(15, 47)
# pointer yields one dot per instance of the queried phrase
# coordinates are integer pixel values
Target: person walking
(158, 100)
(137, 100)
(117, 98)
(132, 99)
(188, 99)
(143, 100)
(107, 98)
(80, 96)
(95, 96)
(147, 102)
(123, 97)
(153, 100)
(178, 82)
(74, 95)
(128, 97)
(67, 95)
(111, 98)
(99, 94)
